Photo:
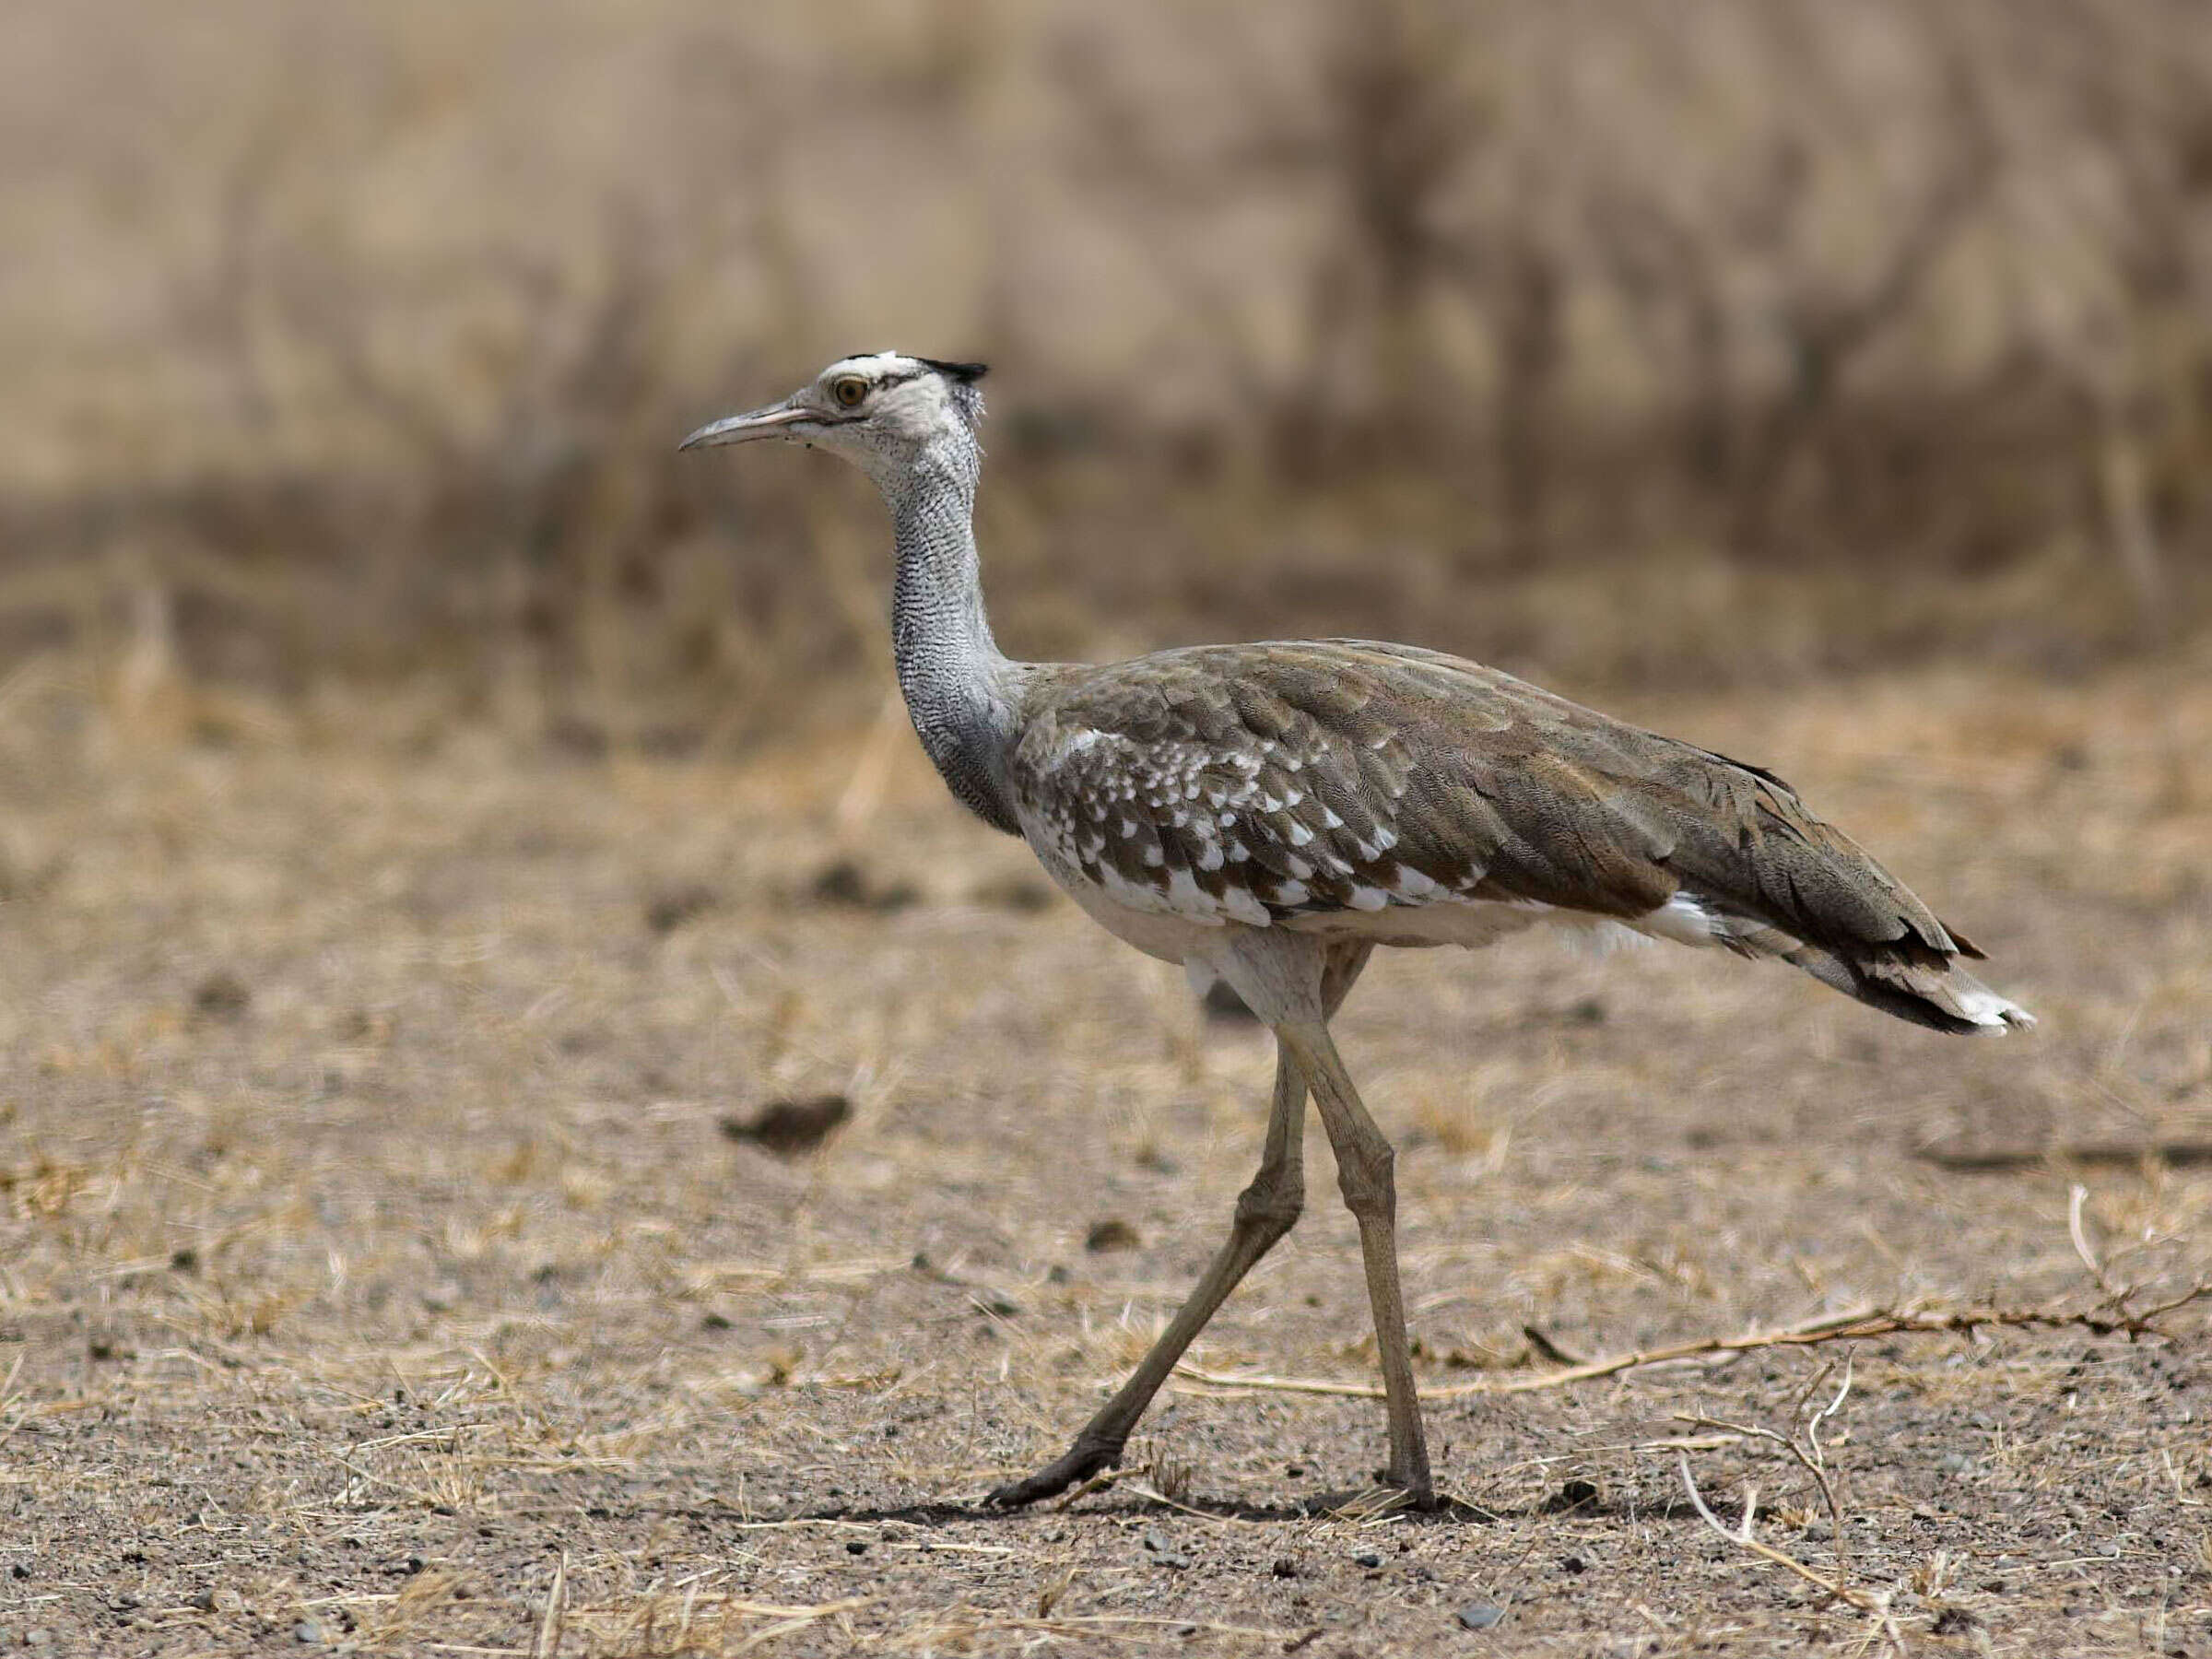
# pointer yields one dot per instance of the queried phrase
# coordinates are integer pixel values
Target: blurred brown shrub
(1621, 341)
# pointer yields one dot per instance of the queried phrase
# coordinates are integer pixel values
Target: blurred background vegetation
(1696, 345)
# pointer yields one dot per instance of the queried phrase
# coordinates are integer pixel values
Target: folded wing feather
(1269, 783)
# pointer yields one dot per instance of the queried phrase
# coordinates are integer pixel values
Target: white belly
(1157, 933)
(1470, 923)
(1176, 921)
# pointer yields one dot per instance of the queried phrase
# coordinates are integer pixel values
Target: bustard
(1268, 814)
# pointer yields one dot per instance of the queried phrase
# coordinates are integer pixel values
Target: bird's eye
(848, 389)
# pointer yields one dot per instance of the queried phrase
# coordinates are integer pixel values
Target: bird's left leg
(1266, 1210)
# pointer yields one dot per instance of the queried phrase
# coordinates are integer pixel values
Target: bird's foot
(1422, 1500)
(1385, 1497)
(1081, 1460)
(1412, 1483)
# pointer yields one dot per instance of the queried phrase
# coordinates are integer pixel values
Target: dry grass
(371, 1262)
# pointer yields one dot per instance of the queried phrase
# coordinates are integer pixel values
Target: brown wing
(1258, 782)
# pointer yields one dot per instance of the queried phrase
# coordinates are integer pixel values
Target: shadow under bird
(1267, 814)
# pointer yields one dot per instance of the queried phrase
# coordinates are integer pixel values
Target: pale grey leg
(1364, 1166)
(1266, 1210)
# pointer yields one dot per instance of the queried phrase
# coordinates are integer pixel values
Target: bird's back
(1349, 785)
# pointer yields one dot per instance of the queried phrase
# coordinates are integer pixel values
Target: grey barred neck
(956, 681)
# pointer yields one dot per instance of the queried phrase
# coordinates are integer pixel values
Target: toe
(1080, 1463)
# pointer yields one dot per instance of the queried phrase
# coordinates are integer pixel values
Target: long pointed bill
(739, 429)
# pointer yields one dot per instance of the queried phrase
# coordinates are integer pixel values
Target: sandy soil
(376, 1272)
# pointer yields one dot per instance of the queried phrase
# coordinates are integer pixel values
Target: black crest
(966, 374)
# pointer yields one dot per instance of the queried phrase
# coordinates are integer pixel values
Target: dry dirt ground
(376, 1272)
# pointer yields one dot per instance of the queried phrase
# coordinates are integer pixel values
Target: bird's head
(882, 412)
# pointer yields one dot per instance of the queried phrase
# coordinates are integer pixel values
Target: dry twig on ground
(2116, 1155)
(1875, 1608)
(1812, 1457)
(1853, 1326)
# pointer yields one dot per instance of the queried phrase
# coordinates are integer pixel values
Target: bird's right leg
(1364, 1173)
(1266, 1210)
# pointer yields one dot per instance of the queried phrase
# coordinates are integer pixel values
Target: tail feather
(1907, 979)
(1940, 995)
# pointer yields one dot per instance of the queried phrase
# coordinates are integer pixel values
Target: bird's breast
(1133, 917)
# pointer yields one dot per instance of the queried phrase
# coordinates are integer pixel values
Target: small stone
(856, 1547)
(307, 1633)
(846, 884)
(1112, 1233)
(1015, 893)
(1480, 1615)
(1369, 1561)
(1572, 1495)
(39, 1638)
(1573, 1564)
(221, 995)
(672, 907)
(788, 1128)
